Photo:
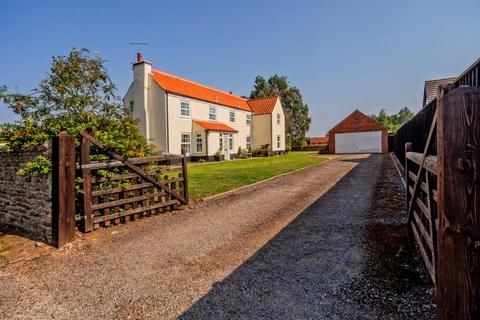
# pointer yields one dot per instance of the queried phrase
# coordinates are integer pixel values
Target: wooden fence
(92, 194)
(439, 151)
(129, 189)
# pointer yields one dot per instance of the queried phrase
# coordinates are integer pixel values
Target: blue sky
(341, 54)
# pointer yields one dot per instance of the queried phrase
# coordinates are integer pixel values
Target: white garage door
(358, 142)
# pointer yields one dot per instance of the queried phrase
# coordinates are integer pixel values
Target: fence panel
(416, 132)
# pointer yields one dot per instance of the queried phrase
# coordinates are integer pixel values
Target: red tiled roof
(215, 126)
(318, 140)
(262, 105)
(357, 121)
(187, 88)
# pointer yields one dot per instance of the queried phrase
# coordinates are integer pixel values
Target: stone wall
(25, 202)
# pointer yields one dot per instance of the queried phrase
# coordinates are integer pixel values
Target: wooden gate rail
(135, 188)
(423, 207)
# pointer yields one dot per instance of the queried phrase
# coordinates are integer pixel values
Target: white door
(226, 145)
(358, 142)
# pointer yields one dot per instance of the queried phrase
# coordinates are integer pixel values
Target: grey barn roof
(431, 87)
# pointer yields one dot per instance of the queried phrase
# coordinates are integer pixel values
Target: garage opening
(358, 142)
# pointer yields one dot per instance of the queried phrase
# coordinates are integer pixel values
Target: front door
(226, 146)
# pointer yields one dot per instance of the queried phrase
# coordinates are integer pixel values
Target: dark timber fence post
(63, 189)
(458, 238)
(408, 148)
(87, 186)
(185, 177)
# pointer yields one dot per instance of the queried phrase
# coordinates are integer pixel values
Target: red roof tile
(357, 121)
(318, 140)
(262, 105)
(215, 126)
(187, 88)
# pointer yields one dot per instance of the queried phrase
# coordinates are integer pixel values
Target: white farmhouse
(177, 114)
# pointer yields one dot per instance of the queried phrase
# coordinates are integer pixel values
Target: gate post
(458, 238)
(185, 176)
(63, 189)
(87, 185)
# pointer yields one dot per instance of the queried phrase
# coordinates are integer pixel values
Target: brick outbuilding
(358, 133)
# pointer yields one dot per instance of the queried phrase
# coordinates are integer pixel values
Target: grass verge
(213, 178)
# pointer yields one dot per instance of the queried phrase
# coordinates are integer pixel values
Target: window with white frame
(278, 118)
(248, 142)
(230, 141)
(249, 119)
(212, 113)
(185, 109)
(225, 141)
(231, 116)
(198, 143)
(278, 142)
(185, 142)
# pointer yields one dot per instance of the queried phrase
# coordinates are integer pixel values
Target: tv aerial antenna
(133, 44)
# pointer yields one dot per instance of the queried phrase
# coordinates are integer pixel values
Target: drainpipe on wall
(271, 131)
(167, 144)
(206, 144)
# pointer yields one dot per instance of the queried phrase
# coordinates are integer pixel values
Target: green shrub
(77, 95)
(40, 166)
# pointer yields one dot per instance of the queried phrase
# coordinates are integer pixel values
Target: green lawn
(207, 179)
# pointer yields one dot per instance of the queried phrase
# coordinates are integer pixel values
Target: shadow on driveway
(345, 257)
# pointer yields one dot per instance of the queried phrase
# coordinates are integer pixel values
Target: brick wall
(25, 202)
(357, 122)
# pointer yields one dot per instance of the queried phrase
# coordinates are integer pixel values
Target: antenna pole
(135, 44)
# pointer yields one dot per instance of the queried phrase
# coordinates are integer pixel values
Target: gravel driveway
(322, 243)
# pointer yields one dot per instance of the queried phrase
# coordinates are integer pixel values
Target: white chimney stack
(141, 86)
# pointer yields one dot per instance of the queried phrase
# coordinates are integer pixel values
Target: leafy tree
(395, 121)
(77, 94)
(297, 118)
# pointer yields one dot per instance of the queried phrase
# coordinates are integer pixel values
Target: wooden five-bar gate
(137, 187)
(422, 198)
(92, 194)
(439, 153)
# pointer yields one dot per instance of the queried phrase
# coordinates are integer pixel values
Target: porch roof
(215, 126)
